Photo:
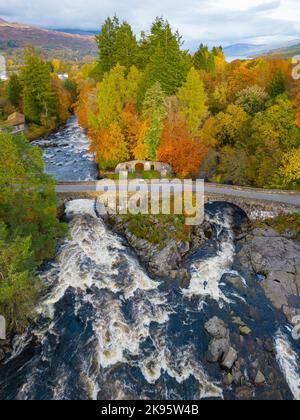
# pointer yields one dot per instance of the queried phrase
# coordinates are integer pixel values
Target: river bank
(116, 323)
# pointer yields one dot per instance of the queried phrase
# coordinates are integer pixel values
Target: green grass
(136, 175)
(285, 223)
(158, 230)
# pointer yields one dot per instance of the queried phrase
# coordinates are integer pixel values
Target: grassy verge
(135, 175)
(286, 223)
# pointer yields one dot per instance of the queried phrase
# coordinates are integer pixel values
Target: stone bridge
(258, 204)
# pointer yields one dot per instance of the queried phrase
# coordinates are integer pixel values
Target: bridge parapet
(257, 204)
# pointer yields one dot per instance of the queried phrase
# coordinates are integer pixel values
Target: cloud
(211, 21)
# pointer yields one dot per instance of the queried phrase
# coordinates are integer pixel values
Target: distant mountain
(243, 50)
(16, 35)
(285, 49)
(285, 52)
(77, 31)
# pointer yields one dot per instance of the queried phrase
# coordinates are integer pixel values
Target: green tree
(132, 85)
(166, 62)
(110, 98)
(193, 101)
(14, 90)
(117, 44)
(39, 100)
(277, 124)
(27, 196)
(278, 86)
(204, 59)
(155, 111)
(107, 44)
(126, 47)
(18, 286)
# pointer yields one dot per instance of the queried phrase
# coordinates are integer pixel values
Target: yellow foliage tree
(110, 146)
(56, 65)
(290, 170)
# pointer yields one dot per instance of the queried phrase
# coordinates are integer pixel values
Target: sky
(222, 22)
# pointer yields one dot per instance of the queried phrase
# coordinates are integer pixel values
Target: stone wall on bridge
(255, 209)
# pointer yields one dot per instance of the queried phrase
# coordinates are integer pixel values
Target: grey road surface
(285, 197)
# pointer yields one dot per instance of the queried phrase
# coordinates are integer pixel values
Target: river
(108, 330)
(66, 154)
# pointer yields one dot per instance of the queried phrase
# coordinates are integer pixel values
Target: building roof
(16, 119)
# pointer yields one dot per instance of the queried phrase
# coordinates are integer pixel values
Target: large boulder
(218, 348)
(217, 328)
(277, 259)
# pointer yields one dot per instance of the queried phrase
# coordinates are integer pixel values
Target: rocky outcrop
(277, 259)
(220, 349)
(164, 260)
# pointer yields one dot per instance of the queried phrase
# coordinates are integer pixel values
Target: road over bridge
(257, 203)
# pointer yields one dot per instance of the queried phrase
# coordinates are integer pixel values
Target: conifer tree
(278, 86)
(39, 100)
(154, 111)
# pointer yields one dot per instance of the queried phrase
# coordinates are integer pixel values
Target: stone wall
(135, 165)
(255, 209)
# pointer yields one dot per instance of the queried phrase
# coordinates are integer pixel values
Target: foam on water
(206, 273)
(289, 363)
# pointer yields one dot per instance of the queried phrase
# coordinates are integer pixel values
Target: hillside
(286, 52)
(14, 36)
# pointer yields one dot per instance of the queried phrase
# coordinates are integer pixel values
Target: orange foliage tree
(109, 145)
(180, 149)
(86, 103)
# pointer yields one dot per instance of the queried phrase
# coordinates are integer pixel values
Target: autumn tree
(178, 148)
(297, 107)
(232, 125)
(290, 168)
(63, 100)
(240, 78)
(110, 146)
(277, 123)
(253, 99)
(193, 99)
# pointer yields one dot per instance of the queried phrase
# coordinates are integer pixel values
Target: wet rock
(245, 331)
(260, 378)
(234, 281)
(237, 376)
(255, 364)
(244, 394)
(230, 358)
(228, 380)
(217, 349)
(275, 256)
(268, 345)
(217, 328)
(2, 355)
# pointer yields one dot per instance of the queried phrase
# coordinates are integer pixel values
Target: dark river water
(108, 330)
